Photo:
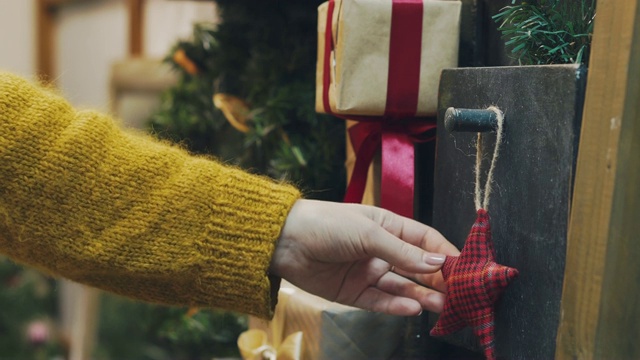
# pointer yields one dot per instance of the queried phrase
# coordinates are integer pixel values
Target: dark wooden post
(136, 32)
(45, 10)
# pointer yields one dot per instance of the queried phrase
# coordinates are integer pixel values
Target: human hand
(362, 256)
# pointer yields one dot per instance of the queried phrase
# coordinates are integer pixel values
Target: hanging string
(478, 192)
(482, 202)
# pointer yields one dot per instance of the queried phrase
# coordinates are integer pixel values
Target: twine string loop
(481, 198)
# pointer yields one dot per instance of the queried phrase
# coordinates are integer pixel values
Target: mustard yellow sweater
(83, 199)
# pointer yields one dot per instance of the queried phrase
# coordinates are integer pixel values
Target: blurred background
(234, 79)
(230, 78)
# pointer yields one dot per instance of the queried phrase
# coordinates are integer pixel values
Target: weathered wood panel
(532, 190)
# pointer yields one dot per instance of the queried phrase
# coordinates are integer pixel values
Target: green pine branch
(548, 31)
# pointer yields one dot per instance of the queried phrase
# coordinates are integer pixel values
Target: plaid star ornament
(474, 279)
(474, 283)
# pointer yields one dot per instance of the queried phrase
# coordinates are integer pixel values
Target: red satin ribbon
(398, 129)
(405, 48)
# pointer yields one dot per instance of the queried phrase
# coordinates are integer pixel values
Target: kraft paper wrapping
(333, 331)
(360, 61)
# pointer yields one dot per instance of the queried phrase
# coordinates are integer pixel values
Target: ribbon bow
(398, 172)
(253, 343)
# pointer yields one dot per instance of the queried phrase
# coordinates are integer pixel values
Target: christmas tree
(259, 63)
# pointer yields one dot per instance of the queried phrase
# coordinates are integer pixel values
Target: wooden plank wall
(601, 296)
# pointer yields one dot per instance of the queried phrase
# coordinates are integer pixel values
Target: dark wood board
(532, 191)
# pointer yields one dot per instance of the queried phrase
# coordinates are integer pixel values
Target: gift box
(312, 328)
(381, 58)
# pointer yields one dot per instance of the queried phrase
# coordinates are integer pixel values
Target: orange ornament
(234, 109)
(180, 57)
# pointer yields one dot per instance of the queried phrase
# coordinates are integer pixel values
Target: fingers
(381, 244)
(433, 280)
(411, 231)
(397, 295)
(397, 285)
(377, 300)
(410, 266)
(402, 242)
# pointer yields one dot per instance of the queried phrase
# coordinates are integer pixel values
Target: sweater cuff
(238, 254)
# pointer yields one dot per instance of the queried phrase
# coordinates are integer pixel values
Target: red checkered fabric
(474, 283)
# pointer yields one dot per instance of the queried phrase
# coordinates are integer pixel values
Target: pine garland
(548, 31)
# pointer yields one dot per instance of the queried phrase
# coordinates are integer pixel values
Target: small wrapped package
(307, 327)
(384, 57)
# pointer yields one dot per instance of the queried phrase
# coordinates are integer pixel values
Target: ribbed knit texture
(121, 211)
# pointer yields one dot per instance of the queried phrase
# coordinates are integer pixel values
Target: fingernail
(434, 259)
(420, 313)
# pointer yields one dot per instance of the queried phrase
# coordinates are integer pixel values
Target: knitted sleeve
(83, 199)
